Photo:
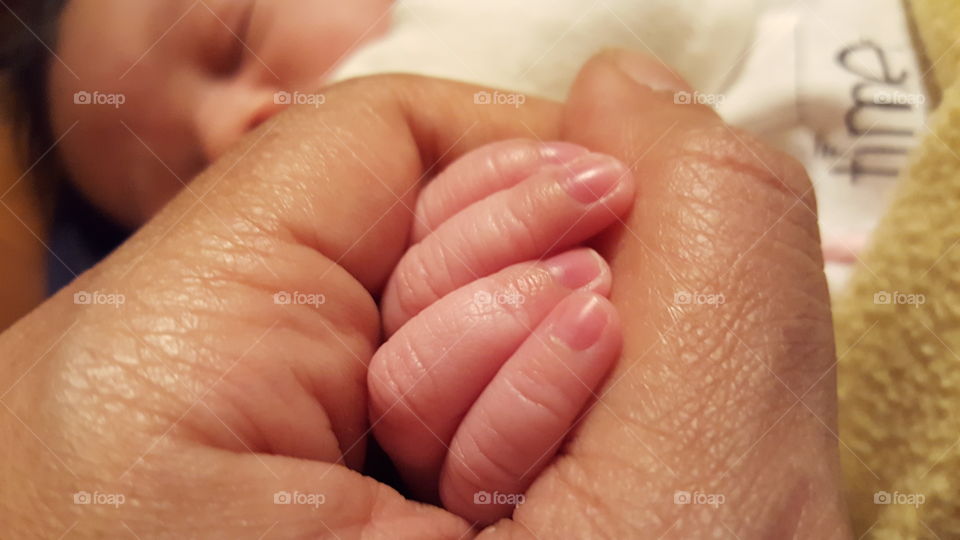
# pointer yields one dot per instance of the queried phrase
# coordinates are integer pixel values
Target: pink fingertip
(562, 152)
(577, 268)
(580, 323)
(593, 177)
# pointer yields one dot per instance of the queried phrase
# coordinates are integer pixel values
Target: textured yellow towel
(898, 329)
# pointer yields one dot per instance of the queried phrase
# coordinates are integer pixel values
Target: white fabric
(771, 66)
(536, 47)
(796, 90)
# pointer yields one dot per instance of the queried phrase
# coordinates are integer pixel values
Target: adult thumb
(724, 402)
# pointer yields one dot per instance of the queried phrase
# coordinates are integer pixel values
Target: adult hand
(195, 398)
(208, 379)
(720, 420)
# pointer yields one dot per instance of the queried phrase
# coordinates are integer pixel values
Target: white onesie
(833, 82)
(536, 47)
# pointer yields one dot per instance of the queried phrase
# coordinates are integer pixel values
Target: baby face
(146, 93)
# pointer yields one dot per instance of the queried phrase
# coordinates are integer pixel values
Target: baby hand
(494, 352)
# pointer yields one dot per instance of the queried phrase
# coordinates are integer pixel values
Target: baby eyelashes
(500, 332)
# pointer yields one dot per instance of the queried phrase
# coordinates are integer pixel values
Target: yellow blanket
(898, 328)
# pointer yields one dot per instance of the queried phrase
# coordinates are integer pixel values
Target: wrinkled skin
(195, 397)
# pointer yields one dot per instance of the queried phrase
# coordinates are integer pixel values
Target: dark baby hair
(28, 31)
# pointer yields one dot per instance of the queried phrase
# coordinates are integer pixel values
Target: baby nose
(225, 117)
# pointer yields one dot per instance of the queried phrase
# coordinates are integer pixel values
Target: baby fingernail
(577, 268)
(592, 177)
(580, 322)
(562, 152)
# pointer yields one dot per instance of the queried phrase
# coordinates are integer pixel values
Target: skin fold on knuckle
(540, 410)
(522, 220)
(397, 376)
(735, 150)
(420, 277)
(504, 159)
(468, 471)
(520, 291)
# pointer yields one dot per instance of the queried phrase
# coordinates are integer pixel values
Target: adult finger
(723, 406)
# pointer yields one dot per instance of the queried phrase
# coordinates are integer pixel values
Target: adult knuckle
(747, 162)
